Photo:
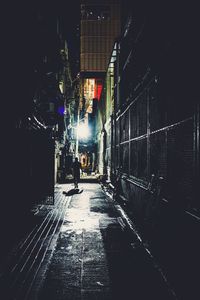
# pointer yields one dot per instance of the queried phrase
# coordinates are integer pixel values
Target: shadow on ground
(72, 192)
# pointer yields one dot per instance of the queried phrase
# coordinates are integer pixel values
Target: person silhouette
(76, 167)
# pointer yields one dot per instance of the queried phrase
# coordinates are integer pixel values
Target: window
(95, 12)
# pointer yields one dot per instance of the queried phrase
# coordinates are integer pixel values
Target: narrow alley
(100, 144)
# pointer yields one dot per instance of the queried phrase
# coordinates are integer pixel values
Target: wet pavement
(84, 248)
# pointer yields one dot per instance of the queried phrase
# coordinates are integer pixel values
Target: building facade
(100, 26)
(153, 131)
(36, 135)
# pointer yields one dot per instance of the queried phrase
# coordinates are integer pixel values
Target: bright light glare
(83, 131)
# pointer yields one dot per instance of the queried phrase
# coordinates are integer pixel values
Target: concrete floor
(81, 248)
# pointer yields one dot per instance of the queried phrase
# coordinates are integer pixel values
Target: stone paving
(93, 258)
(91, 254)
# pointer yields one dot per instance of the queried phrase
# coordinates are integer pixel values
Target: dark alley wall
(155, 122)
(31, 44)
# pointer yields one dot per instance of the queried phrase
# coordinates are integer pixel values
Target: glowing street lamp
(83, 131)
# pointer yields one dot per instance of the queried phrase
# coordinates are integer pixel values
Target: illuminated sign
(92, 88)
(89, 87)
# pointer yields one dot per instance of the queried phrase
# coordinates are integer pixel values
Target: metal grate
(154, 146)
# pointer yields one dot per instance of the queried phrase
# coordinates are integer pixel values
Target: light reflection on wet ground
(93, 258)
